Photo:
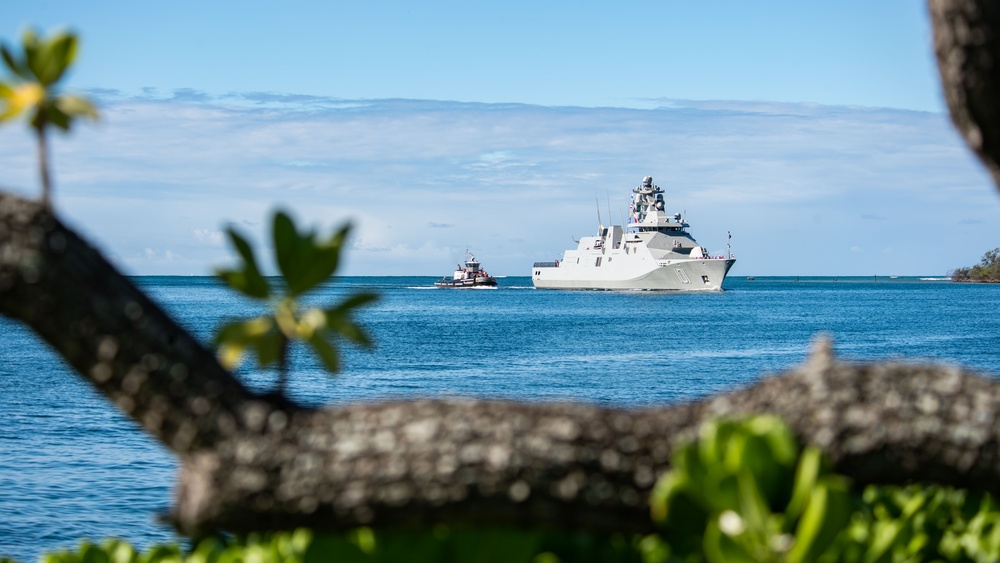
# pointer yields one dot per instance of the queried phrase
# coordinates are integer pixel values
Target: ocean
(71, 466)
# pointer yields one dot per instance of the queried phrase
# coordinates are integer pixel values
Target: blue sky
(815, 134)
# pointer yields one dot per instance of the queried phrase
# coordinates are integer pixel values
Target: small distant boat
(750, 278)
(469, 276)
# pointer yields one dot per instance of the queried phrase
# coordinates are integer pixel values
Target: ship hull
(467, 283)
(672, 275)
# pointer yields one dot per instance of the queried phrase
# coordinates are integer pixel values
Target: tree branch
(967, 44)
(113, 335)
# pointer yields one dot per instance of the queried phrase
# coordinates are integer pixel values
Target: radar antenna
(600, 223)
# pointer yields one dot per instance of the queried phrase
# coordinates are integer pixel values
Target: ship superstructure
(653, 251)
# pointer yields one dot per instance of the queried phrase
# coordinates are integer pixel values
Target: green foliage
(305, 260)
(988, 269)
(743, 492)
(31, 88)
(35, 73)
(364, 545)
(922, 523)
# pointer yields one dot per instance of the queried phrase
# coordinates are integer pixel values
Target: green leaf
(268, 347)
(780, 440)
(323, 258)
(827, 514)
(335, 548)
(76, 106)
(286, 247)
(119, 551)
(9, 108)
(679, 512)
(771, 474)
(15, 66)
(687, 461)
(258, 335)
(303, 259)
(353, 302)
(486, 546)
(326, 351)
(54, 57)
(753, 506)
(807, 473)
(338, 319)
(722, 548)
(52, 114)
(247, 279)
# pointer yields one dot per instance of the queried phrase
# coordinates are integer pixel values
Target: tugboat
(653, 251)
(468, 276)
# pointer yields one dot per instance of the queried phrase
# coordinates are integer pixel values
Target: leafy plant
(365, 545)
(305, 260)
(988, 269)
(922, 523)
(744, 492)
(33, 89)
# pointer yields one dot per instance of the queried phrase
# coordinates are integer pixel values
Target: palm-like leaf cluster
(32, 88)
(305, 260)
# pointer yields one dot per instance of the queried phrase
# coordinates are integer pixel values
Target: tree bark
(251, 462)
(967, 44)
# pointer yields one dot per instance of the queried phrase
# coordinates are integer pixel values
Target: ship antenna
(600, 224)
(609, 206)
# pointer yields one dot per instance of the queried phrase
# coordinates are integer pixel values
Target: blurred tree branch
(967, 44)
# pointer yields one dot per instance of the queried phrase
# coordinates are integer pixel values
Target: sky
(815, 133)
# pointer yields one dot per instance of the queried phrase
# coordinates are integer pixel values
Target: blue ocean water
(71, 466)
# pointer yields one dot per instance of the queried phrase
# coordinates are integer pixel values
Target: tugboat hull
(457, 284)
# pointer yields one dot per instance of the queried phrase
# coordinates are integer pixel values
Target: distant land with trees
(987, 271)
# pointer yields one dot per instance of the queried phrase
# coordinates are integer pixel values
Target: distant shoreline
(976, 281)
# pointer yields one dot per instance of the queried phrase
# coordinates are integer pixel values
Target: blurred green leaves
(31, 87)
(36, 70)
(305, 260)
(744, 492)
(365, 545)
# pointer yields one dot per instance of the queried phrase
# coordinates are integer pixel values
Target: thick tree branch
(967, 44)
(113, 335)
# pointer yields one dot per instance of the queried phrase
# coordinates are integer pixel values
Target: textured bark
(967, 44)
(254, 463)
(112, 334)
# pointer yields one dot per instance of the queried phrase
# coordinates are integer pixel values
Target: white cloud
(209, 236)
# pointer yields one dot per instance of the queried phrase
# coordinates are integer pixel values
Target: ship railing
(546, 265)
